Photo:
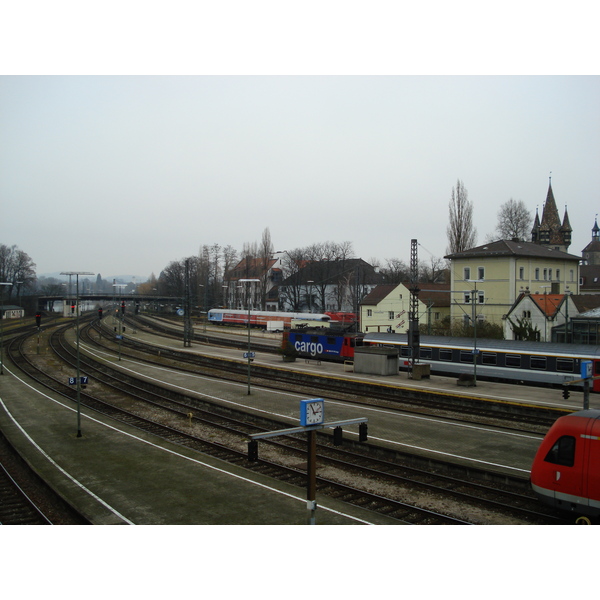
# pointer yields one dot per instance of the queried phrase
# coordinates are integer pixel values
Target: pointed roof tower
(591, 253)
(566, 230)
(550, 231)
(550, 224)
(535, 231)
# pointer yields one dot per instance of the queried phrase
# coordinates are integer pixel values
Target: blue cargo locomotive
(323, 344)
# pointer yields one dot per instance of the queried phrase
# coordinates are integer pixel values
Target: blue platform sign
(82, 380)
(586, 369)
(249, 354)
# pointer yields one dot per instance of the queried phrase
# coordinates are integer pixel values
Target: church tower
(550, 231)
(591, 253)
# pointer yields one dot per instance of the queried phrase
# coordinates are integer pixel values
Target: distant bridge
(45, 301)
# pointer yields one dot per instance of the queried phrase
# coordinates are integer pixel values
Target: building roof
(590, 276)
(6, 307)
(251, 267)
(590, 314)
(593, 246)
(334, 272)
(547, 303)
(510, 248)
(550, 219)
(550, 304)
(379, 293)
(586, 302)
(438, 294)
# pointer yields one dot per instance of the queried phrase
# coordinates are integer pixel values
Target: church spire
(550, 231)
(566, 229)
(535, 231)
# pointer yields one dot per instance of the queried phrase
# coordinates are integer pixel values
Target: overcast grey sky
(123, 174)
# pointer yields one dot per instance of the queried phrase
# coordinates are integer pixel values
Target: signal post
(312, 415)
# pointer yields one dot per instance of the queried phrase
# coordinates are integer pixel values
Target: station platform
(484, 390)
(115, 474)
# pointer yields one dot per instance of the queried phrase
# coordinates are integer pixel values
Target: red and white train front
(566, 469)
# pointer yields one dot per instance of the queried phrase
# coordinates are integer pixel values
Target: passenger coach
(259, 318)
(500, 360)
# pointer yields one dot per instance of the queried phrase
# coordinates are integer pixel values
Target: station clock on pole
(312, 412)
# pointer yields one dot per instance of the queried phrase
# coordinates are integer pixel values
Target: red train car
(342, 317)
(566, 469)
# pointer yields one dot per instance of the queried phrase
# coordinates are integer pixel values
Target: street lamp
(567, 296)
(474, 297)
(2, 328)
(78, 378)
(120, 321)
(21, 314)
(248, 282)
(225, 294)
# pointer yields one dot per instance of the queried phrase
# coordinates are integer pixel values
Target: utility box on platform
(376, 361)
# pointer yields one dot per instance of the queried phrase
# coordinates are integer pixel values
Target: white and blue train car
(500, 360)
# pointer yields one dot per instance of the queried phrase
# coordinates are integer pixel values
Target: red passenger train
(566, 469)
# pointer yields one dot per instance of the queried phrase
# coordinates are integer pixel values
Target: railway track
(523, 418)
(25, 499)
(358, 466)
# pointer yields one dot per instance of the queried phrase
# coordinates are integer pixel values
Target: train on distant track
(261, 318)
(498, 360)
(322, 344)
(566, 468)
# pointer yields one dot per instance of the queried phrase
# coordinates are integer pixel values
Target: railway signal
(38, 319)
(252, 450)
(337, 436)
(100, 313)
(312, 414)
(362, 432)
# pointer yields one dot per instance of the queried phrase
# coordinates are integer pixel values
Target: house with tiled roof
(551, 316)
(386, 308)
(534, 315)
(328, 285)
(495, 274)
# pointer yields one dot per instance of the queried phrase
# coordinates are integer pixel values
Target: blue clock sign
(312, 412)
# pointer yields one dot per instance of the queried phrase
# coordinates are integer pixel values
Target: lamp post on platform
(2, 328)
(248, 282)
(78, 377)
(120, 287)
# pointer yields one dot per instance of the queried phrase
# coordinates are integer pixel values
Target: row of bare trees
(208, 273)
(514, 221)
(325, 274)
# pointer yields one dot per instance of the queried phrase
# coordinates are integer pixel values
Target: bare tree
(290, 295)
(171, 280)
(433, 271)
(265, 257)
(230, 259)
(396, 270)
(462, 234)
(16, 267)
(514, 221)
